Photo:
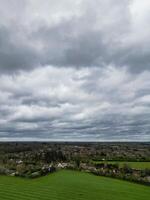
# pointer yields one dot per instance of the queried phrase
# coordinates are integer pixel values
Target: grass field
(136, 165)
(70, 185)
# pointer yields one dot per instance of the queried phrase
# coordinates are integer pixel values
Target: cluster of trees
(27, 171)
(125, 172)
(97, 151)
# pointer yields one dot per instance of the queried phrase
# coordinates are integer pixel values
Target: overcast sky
(75, 70)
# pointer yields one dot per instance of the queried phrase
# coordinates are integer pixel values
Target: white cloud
(53, 103)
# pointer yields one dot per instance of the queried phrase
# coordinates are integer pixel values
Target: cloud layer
(74, 70)
(74, 33)
(75, 104)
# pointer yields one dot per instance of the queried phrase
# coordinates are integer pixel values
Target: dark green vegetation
(70, 185)
(51, 151)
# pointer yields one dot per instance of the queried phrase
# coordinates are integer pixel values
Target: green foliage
(77, 162)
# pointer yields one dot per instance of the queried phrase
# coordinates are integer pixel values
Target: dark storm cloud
(13, 54)
(89, 33)
(65, 49)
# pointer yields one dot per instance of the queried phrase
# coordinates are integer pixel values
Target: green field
(71, 185)
(136, 165)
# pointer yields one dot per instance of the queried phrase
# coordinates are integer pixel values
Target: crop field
(70, 185)
(136, 165)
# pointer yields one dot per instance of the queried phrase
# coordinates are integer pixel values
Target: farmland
(136, 165)
(71, 185)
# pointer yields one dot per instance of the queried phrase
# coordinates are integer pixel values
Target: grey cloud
(74, 70)
(13, 54)
(93, 33)
(60, 105)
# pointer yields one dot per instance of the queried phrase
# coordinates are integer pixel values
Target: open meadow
(70, 185)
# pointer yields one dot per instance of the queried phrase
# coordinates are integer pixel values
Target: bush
(35, 174)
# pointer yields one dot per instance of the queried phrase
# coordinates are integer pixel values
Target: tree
(77, 162)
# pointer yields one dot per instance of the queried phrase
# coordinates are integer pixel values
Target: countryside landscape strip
(117, 160)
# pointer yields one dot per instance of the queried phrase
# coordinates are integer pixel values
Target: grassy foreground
(71, 185)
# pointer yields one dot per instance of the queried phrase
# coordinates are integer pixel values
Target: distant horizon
(77, 141)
